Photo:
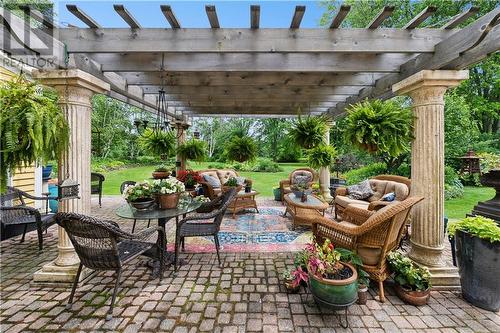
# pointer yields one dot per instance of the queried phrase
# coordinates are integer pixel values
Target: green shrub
(453, 191)
(489, 161)
(266, 165)
(217, 165)
(403, 170)
(145, 160)
(478, 226)
(105, 165)
(358, 175)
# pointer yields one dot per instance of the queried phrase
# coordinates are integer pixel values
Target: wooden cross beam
(127, 17)
(170, 16)
(297, 17)
(80, 14)
(38, 16)
(254, 16)
(339, 18)
(212, 16)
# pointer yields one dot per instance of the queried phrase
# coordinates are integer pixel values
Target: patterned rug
(266, 231)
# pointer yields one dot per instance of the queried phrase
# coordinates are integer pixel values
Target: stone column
(75, 89)
(181, 128)
(426, 90)
(324, 173)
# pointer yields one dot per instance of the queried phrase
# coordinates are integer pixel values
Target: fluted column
(427, 89)
(75, 89)
(324, 173)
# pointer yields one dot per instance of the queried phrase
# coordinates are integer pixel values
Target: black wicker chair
(14, 211)
(102, 245)
(191, 227)
(122, 188)
(96, 180)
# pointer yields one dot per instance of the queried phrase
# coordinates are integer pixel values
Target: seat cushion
(224, 175)
(344, 201)
(213, 181)
(382, 187)
(369, 256)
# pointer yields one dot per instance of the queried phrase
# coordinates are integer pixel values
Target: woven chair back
(11, 198)
(95, 241)
(227, 198)
(125, 184)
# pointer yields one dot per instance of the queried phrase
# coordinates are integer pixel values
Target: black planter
(479, 268)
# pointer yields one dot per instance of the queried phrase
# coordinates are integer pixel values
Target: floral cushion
(360, 191)
(301, 179)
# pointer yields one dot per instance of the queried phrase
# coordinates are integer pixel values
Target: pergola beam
(170, 16)
(261, 62)
(82, 16)
(271, 79)
(212, 16)
(420, 17)
(459, 18)
(126, 16)
(297, 17)
(340, 16)
(261, 98)
(38, 16)
(123, 40)
(254, 16)
(381, 17)
(261, 110)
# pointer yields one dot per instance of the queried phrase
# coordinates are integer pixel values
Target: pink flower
(298, 276)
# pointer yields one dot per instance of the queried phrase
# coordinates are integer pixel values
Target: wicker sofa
(285, 185)
(380, 185)
(223, 175)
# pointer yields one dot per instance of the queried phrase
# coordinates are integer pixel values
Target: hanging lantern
(145, 123)
(196, 134)
(137, 124)
(68, 189)
(470, 163)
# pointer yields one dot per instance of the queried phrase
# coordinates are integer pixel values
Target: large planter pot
(335, 293)
(46, 171)
(142, 204)
(277, 194)
(412, 297)
(160, 174)
(168, 201)
(53, 204)
(479, 268)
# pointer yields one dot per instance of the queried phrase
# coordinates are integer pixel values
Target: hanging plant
(310, 131)
(157, 142)
(34, 128)
(379, 127)
(321, 156)
(194, 150)
(241, 149)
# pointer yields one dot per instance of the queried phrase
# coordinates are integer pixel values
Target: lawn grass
(264, 183)
(457, 208)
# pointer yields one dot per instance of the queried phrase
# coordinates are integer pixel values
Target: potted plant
(194, 150)
(139, 196)
(332, 282)
(231, 182)
(34, 129)
(158, 142)
(300, 189)
(363, 277)
(190, 178)
(277, 194)
(309, 132)
(168, 192)
(292, 280)
(161, 172)
(241, 149)
(413, 283)
(477, 243)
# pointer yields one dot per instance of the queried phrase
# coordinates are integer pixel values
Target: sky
(191, 14)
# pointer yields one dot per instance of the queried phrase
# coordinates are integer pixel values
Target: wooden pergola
(260, 72)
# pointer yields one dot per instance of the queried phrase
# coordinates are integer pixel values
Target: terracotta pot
(160, 174)
(362, 294)
(412, 297)
(168, 201)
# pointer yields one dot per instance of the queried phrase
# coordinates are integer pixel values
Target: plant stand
(339, 310)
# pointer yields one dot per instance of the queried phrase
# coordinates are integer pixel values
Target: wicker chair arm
(146, 233)
(356, 215)
(32, 197)
(207, 207)
(284, 183)
(30, 210)
(376, 205)
(341, 191)
(208, 189)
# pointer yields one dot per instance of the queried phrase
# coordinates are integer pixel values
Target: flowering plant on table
(189, 177)
(138, 192)
(169, 185)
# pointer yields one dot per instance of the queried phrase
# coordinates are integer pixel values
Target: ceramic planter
(335, 293)
(168, 201)
(142, 204)
(412, 297)
(479, 268)
(277, 194)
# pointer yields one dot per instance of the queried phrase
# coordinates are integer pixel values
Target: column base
(52, 274)
(444, 278)
(427, 256)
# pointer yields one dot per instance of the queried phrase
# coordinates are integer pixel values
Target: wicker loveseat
(380, 185)
(223, 176)
(285, 185)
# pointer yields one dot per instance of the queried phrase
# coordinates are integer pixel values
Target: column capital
(429, 79)
(73, 78)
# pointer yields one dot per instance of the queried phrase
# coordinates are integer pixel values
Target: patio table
(303, 213)
(163, 216)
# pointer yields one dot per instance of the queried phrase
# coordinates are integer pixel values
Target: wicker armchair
(285, 185)
(14, 211)
(122, 188)
(102, 245)
(191, 226)
(371, 239)
(96, 180)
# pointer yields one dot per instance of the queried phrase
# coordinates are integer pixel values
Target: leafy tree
(272, 132)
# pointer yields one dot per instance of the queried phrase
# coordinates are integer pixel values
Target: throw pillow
(389, 196)
(360, 191)
(240, 180)
(301, 179)
(214, 182)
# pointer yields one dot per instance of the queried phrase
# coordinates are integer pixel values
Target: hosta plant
(478, 226)
(194, 150)
(33, 128)
(310, 131)
(407, 274)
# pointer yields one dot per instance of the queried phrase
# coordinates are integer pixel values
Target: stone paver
(245, 295)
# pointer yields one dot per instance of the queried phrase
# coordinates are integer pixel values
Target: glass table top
(311, 201)
(184, 207)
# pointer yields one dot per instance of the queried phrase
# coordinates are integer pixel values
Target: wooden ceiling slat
(82, 16)
(381, 17)
(170, 16)
(254, 16)
(420, 17)
(297, 17)
(212, 16)
(126, 16)
(339, 18)
(458, 19)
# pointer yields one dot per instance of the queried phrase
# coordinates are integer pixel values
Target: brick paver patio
(244, 296)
